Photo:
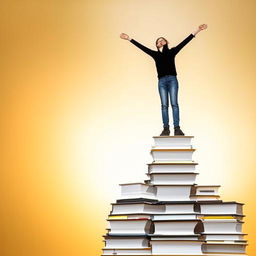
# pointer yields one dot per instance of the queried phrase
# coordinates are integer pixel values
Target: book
(130, 226)
(169, 167)
(177, 227)
(137, 190)
(172, 178)
(221, 208)
(224, 248)
(181, 207)
(173, 192)
(172, 142)
(167, 155)
(139, 208)
(168, 247)
(206, 190)
(126, 242)
(222, 226)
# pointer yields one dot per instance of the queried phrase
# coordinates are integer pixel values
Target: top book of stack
(175, 142)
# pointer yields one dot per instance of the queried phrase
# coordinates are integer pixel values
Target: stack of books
(223, 227)
(169, 214)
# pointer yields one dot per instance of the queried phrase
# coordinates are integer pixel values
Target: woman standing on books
(167, 76)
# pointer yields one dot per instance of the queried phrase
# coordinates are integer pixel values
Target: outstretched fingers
(203, 26)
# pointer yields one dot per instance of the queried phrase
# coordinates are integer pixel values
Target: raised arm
(183, 43)
(189, 38)
(140, 46)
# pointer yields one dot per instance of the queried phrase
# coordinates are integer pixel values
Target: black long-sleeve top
(165, 60)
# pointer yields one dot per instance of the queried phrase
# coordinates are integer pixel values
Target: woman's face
(161, 42)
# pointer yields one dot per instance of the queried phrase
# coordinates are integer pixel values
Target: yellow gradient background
(79, 107)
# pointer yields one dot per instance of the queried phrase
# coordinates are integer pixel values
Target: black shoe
(178, 131)
(166, 131)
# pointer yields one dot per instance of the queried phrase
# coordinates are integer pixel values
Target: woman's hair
(159, 38)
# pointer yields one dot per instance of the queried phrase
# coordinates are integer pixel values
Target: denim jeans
(168, 86)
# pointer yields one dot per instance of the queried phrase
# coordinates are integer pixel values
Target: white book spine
(173, 193)
(126, 243)
(172, 179)
(129, 227)
(222, 227)
(172, 142)
(171, 168)
(221, 209)
(175, 227)
(179, 208)
(166, 156)
(224, 248)
(176, 247)
(137, 208)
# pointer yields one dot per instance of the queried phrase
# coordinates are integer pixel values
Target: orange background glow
(79, 107)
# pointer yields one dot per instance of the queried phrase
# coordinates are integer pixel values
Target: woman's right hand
(124, 36)
(202, 27)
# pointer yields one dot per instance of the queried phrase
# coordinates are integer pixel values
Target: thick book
(222, 208)
(133, 208)
(217, 247)
(172, 178)
(168, 155)
(126, 242)
(168, 247)
(172, 141)
(181, 207)
(137, 190)
(130, 226)
(177, 227)
(173, 192)
(222, 226)
(170, 167)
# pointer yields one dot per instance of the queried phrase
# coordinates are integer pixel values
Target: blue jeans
(168, 85)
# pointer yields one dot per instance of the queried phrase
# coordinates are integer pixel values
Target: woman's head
(161, 41)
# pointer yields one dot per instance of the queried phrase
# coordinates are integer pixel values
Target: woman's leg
(173, 90)
(163, 92)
